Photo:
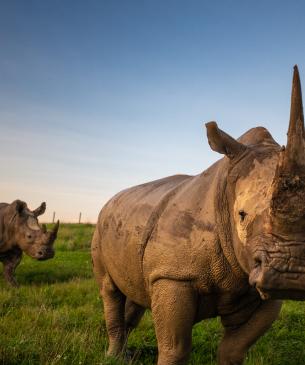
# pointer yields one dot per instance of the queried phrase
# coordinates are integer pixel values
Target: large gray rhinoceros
(21, 232)
(228, 242)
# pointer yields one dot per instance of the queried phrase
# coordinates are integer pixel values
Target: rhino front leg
(114, 308)
(237, 341)
(9, 266)
(174, 305)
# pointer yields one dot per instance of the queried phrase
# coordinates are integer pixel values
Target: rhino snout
(45, 253)
(280, 275)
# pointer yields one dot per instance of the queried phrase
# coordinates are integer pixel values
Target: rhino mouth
(281, 286)
(266, 294)
(45, 258)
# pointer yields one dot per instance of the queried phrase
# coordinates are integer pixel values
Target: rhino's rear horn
(40, 210)
(294, 155)
(221, 142)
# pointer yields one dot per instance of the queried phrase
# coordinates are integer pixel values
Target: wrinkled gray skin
(20, 232)
(228, 242)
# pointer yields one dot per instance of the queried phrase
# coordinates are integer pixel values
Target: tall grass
(56, 317)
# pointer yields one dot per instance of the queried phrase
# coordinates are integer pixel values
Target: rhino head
(265, 195)
(25, 231)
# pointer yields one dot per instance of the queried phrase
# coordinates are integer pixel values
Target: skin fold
(196, 247)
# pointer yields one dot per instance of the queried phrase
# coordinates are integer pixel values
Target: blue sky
(97, 96)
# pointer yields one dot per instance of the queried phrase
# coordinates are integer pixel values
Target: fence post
(53, 217)
(80, 217)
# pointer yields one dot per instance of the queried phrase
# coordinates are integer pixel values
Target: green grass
(73, 237)
(56, 317)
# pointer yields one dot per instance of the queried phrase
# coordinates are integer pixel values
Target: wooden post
(80, 217)
(53, 217)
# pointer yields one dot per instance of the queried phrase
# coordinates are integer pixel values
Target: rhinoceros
(21, 232)
(228, 242)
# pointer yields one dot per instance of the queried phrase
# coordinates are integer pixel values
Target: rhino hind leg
(113, 299)
(237, 341)
(133, 315)
(114, 312)
(174, 308)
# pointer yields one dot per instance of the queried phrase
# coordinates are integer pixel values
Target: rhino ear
(40, 210)
(20, 206)
(221, 142)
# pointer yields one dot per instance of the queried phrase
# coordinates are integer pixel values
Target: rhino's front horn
(294, 155)
(53, 233)
(287, 205)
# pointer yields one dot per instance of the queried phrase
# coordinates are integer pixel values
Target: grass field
(55, 317)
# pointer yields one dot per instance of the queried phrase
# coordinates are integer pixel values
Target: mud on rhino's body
(185, 246)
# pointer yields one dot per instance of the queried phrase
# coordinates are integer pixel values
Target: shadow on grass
(65, 267)
(146, 355)
(50, 277)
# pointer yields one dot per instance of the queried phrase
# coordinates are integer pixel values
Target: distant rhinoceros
(228, 242)
(21, 232)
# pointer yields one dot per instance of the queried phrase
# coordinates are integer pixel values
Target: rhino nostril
(257, 262)
(40, 253)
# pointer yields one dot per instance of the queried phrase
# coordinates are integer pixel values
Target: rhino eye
(242, 215)
(29, 236)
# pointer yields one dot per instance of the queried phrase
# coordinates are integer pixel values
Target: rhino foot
(13, 283)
